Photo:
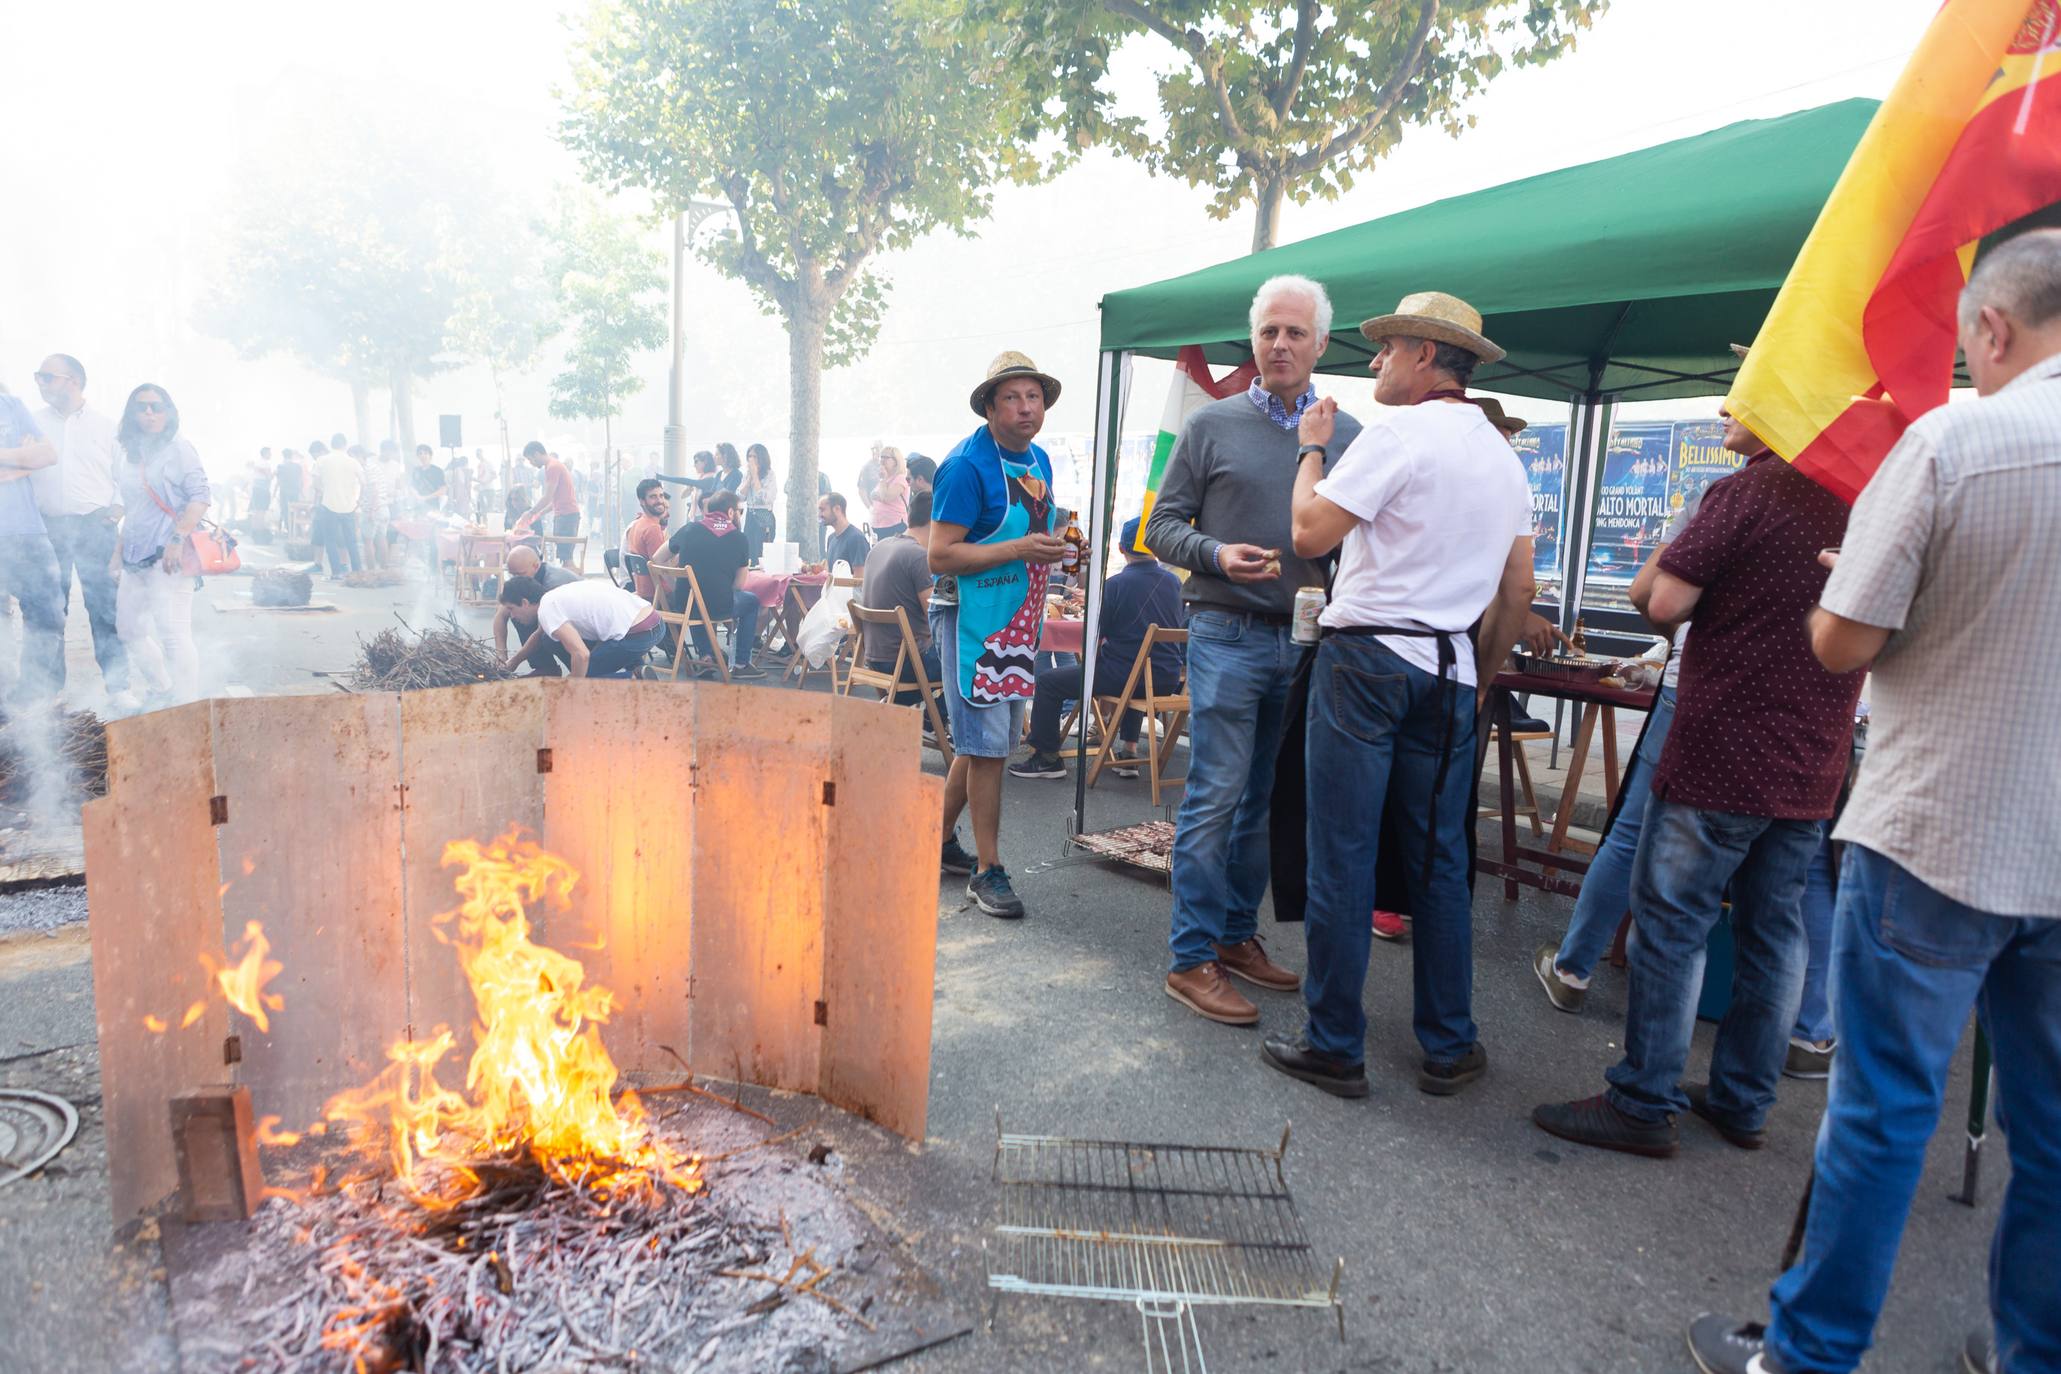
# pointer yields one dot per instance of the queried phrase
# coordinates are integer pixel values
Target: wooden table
(1598, 705)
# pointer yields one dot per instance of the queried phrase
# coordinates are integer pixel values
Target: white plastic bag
(828, 621)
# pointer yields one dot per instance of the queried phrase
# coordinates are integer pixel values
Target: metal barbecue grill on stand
(1166, 1228)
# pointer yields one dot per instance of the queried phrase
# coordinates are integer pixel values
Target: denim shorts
(981, 732)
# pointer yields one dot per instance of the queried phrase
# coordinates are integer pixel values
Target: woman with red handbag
(164, 494)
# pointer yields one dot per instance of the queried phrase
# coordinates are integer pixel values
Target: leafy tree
(836, 130)
(611, 292)
(1273, 98)
(506, 306)
(337, 256)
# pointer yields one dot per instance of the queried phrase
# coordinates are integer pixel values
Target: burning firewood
(281, 587)
(401, 661)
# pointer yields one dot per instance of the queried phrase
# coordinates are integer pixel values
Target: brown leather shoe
(1248, 960)
(1205, 991)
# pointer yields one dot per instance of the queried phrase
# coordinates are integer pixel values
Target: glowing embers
(539, 1084)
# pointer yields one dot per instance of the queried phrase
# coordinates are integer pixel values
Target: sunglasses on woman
(149, 407)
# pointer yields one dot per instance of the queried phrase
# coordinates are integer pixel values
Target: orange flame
(193, 1013)
(154, 1023)
(539, 1080)
(268, 1133)
(243, 983)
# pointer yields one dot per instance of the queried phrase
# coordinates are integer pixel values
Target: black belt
(1449, 679)
(1263, 617)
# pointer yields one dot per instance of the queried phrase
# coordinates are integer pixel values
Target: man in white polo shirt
(1432, 512)
(605, 631)
(83, 510)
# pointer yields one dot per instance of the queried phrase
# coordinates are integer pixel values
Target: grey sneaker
(990, 890)
(1979, 1354)
(746, 672)
(1038, 766)
(1808, 1061)
(1564, 995)
(1724, 1345)
(1124, 762)
(953, 858)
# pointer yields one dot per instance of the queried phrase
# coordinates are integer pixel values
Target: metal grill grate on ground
(1126, 1221)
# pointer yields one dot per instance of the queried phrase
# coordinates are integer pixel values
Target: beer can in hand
(1309, 604)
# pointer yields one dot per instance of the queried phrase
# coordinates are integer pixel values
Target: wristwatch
(1307, 449)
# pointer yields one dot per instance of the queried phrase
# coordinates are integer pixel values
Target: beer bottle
(1076, 544)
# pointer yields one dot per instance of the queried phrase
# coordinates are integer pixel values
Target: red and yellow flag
(1861, 338)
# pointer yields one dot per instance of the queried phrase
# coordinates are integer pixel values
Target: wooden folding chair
(890, 685)
(1169, 709)
(480, 557)
(664, 576)
(1531, 800)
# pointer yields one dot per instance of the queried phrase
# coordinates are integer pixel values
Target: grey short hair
(1447, 357)
(1290, 286)
(2020, 276)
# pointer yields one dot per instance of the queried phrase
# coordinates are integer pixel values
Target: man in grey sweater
(1223, 512)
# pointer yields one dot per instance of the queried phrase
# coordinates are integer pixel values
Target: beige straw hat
(1493, 408)
(1005, 366)
(1435, 315)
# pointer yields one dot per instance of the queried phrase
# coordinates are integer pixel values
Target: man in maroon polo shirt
(1750, 774)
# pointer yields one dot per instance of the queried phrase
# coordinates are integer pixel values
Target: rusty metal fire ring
(33, 1128)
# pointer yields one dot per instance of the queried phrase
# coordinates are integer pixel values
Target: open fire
(539, 1084)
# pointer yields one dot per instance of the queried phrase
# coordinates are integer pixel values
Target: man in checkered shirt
(1949, 584)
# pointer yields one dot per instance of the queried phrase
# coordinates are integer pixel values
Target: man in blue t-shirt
(992, 546)
(28, 563)
(1141, 595)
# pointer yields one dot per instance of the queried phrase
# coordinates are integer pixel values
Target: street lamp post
(685, 222)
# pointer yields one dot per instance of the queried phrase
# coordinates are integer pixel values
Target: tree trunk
(404, 414)
(805, 326)
(1266, 217)
(605, 498)
(361, 410)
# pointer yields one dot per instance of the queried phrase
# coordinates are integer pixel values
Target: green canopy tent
(1625, 279)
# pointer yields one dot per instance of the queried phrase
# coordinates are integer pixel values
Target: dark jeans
(1375, 725)
(1239, 671)
(758, 531)
(881, 532)
(1908, 963)
(549, 658)
(565, 524)
(1687, 858)
(87, 542)
(1057, 686)
(910, 696)
(621, 657)
(338, 534)
(745, 608)
(28, 573)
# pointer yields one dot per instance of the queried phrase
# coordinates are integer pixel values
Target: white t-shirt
(598, 611)
(82, 480)
(1441, 496)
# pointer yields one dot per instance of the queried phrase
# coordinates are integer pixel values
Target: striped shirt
(1955, 546)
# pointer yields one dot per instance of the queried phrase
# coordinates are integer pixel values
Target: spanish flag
(1861, 338)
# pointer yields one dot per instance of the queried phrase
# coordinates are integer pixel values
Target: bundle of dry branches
(79, 746)
(281, 587)
(401, 660)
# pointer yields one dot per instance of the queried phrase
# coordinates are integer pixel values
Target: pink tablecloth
(1063, 636)
(771, 588)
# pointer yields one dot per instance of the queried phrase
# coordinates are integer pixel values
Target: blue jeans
(1908, 962)
(1239, 670)
(337, 535)
(1814, 1017)
(621, 657)
(985, 730)
(1375, 725)
(746, 609)
(1607, 886)
(1686, 858)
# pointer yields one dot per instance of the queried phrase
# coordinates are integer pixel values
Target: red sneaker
(1389, 925)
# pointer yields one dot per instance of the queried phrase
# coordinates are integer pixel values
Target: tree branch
(1191, 42)
(1305, 39)
(1348, 139)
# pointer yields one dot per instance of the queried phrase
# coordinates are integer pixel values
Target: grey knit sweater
(1231, 480)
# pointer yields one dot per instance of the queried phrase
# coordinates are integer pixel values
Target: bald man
(543, 653)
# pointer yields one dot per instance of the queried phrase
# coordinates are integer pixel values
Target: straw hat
(1005, 366)
(1739, 350)
(1493, 408)
(1435, 315)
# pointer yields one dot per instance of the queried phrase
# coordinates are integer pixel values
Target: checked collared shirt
(1277, 413)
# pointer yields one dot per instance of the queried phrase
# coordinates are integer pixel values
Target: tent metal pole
(1594, 410)
(1110, 375)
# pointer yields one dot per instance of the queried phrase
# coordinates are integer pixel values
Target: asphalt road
(1471, 1241)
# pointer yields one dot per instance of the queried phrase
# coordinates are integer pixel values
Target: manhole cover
(33, 1128)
